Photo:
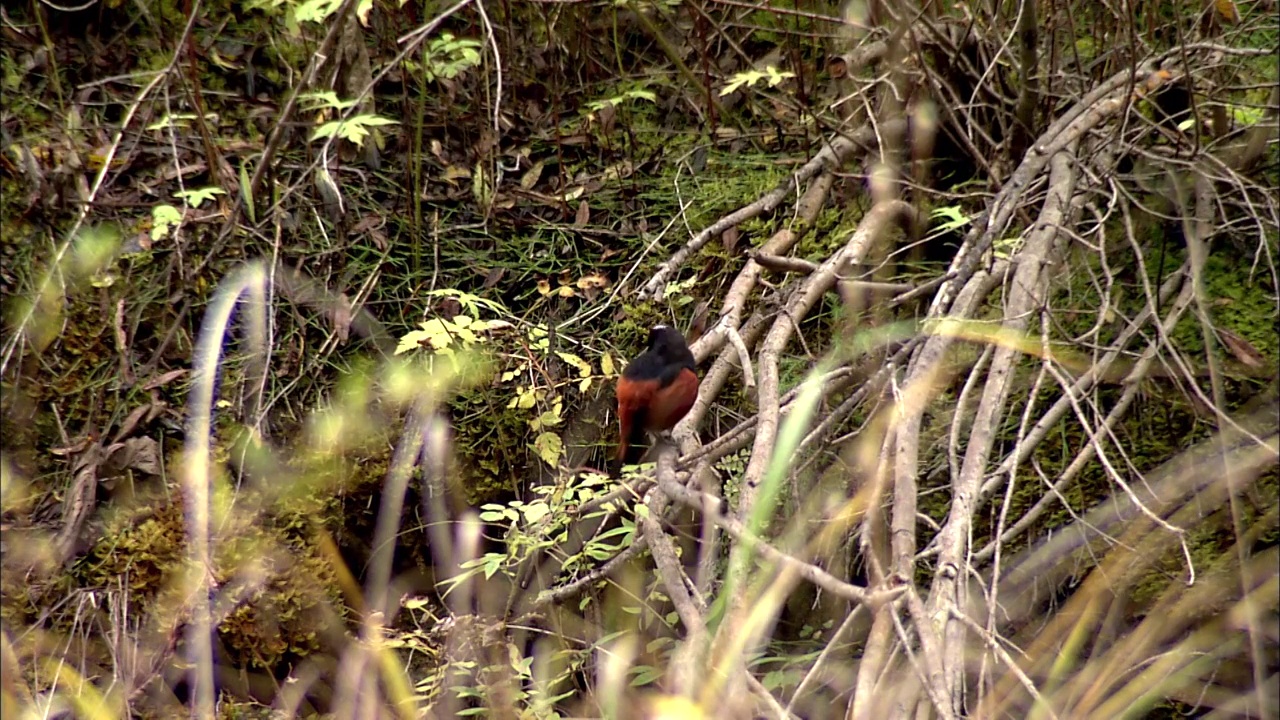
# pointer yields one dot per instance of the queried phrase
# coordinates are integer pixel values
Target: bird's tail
(630, 451)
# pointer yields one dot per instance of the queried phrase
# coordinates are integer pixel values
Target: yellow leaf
(594, 280)
(584, 368)
(528, 398)
(454, 173)
(549, 447)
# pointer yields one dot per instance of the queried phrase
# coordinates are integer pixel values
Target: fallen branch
(833, 155)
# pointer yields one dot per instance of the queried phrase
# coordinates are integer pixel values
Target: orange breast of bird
(649, 405)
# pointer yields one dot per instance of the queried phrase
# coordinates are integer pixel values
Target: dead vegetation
(313, 311)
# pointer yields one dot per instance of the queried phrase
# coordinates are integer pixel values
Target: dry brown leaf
(608, 117)
(532, 176)
(340, 316)
(367, 223)
(1242, 349)
(141, 415)
(584, 214)
(729, 239)
(493, 277)
(165, 379)
(78, 446)
(449, 308)
(698, 325)
(78, 502)
(137, 453)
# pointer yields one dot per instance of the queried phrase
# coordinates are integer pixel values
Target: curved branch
(833, 155)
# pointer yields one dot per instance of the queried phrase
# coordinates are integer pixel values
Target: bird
(655, 391)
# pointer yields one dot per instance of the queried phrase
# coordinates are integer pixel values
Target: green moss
(143, 546)
(287, 590)
(283, 617)
(1241, 300)
(1210, 544)
(496, 438)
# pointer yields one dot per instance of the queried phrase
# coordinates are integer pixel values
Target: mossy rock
(287, 592)
(282, 619)
(144, 545)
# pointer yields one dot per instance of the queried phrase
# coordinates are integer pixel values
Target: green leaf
(323, 99)
(246, 192)
(447, 57)
(480, 188)
(354, 129)
(644, 675)
(195, 198)
(775, 77)
(442, 335)
(493, 564)
(472, 303)
(177, 120)
(95, 249)
(316, 10)
(1247, 116)
(956, 218)
(634, 94)
(742, 79)
(547, 419)
(163, 219)
(749, 78)
(535, 511)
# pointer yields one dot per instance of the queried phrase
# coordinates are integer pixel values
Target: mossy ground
(430, 231)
